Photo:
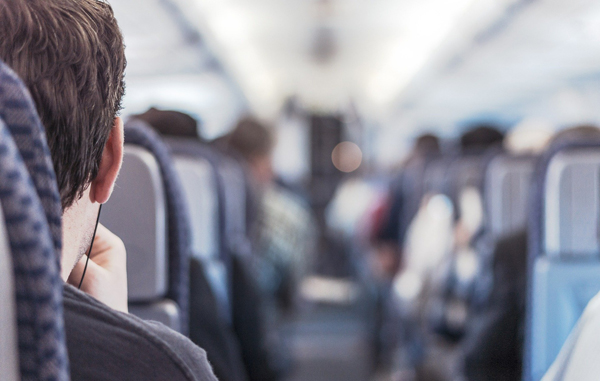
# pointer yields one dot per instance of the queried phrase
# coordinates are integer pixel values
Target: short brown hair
(71, 56)
(251, 138)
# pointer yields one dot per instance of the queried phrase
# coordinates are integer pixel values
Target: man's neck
(78, 222)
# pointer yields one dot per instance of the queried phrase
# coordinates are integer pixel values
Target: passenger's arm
(106, 275)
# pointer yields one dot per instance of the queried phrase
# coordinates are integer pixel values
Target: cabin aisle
(330, 343)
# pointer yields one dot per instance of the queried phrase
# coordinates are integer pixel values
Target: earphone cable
(91, 246)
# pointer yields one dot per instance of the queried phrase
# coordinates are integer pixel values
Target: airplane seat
(32, 214)
(506, 191)
(137, 212)
(434, 177)
(139, 134)
(236, 218)
(9, 351)
(506, 187)
(211, 273)
(465, 171)
(190, 149)
(232, 193)
(242, 341)
(198, 180)
(249, 322)
(564, 262)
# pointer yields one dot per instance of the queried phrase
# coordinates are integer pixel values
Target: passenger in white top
(578, 359)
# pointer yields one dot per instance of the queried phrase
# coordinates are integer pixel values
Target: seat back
(199, 184)
(507, 183)
(191, 148)
(137, 213)
(435, 176)
(450, 174)
(566, 273)
(466, 171)
(198, 180)
(140, 134)
(32, 210)
(9, 360)
(234, 192)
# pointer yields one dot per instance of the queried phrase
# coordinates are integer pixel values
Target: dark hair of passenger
(70, 55)
(170, 123)
(250, 138)
(581, 132)
(427, 144)
(481, 137)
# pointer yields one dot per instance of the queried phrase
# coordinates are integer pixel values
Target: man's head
(70, 54)
(254, 142)
(480, 138)
(171, 123)
(427, 144)
(579, 132)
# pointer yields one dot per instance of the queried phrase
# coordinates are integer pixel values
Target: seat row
(555, 199)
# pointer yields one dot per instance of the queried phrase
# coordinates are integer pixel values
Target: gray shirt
(104, 344)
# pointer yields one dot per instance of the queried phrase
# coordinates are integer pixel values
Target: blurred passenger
(254, 142)
(578, 358)
(429, 288)
(494, 339)
(390, 221)
(480, 138)
(529, 137)
(282, 234)
(281, 231)
(403, 203)
(59, 48)
(171, 123)
(469, 208)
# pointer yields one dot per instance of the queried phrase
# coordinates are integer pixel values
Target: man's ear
(110, 165)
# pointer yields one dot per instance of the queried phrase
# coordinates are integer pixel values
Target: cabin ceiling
(409, 63)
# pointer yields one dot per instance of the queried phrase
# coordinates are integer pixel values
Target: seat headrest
(536, 209)
(572, 204)
(194, 149)
(199, 186)
(136, 212)
(507, 184)
(138, 133)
